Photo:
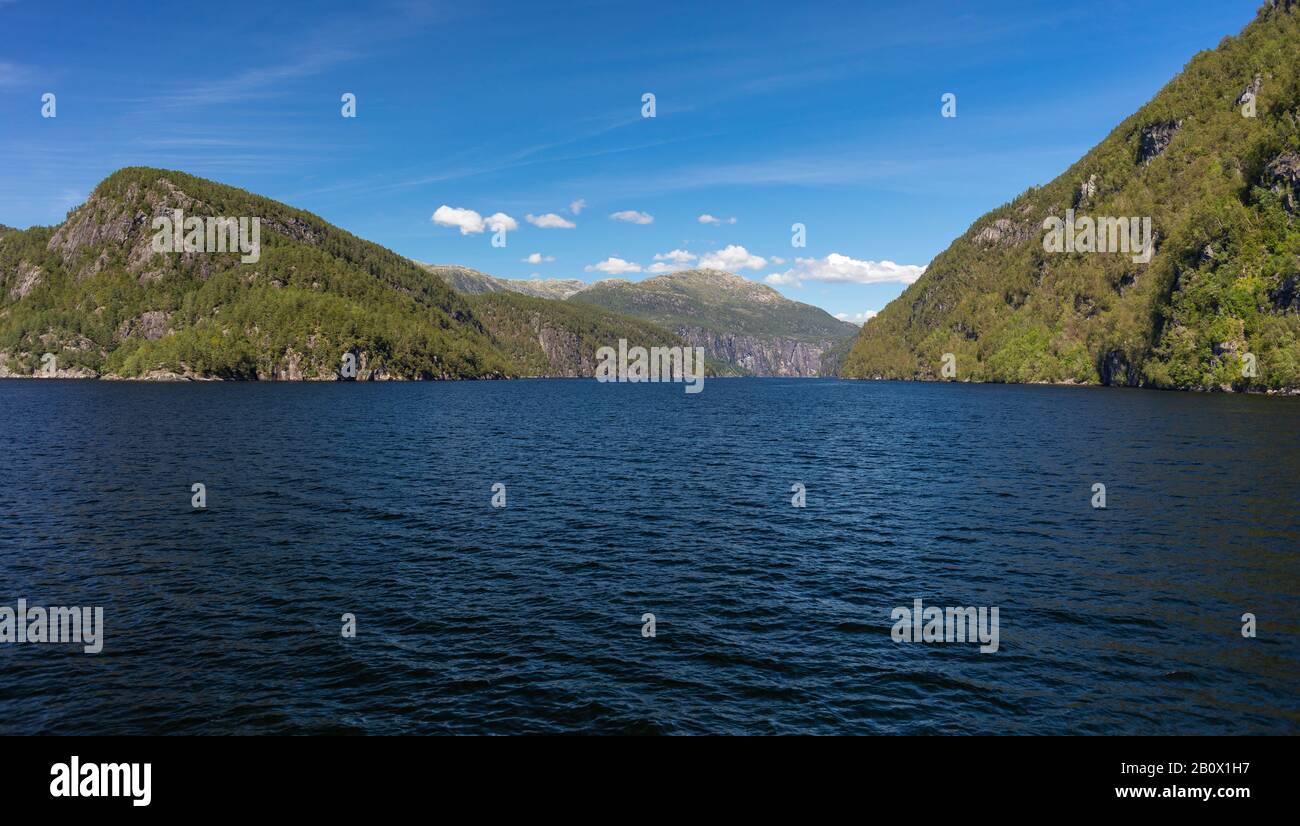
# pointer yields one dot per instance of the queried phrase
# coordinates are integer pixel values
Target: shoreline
(174, 378)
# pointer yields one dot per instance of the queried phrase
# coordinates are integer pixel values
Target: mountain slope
(94, 293)
(558, 338)
(472, 282)
(736, 321)
(1223, 193)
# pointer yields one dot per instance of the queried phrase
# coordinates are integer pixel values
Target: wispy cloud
(632, 216)
(257, 83)
(549, 221)
(311, 52)
(14, 74)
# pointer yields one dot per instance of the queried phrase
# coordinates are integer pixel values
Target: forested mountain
(1214, 161)
(95, 294)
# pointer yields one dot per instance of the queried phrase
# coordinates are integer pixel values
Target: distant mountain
(737, 321)
(472, 282)
(745, 328)
(1214, 161)
(559, 339)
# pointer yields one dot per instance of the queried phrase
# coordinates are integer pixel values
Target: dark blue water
(626, 499)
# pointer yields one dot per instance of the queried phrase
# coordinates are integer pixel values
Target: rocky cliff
(759, 356)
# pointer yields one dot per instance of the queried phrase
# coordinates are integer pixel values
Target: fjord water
(375, 499)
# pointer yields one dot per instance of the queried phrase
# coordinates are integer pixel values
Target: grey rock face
(110, 221)
(1117, 372)
(1156, 139)
(1251, 91)
(1282, 175)
(563, 351)
(1287, 295)
(772, 357)
(29, 276)
(1087, 190)
(1003, 232)
(150, 326)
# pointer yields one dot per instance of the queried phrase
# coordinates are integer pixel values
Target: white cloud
(731, 258)
(538, 258)
(614, 266)
(631, 216)
(777, 260)
(550, 221)
(467, 220)
(858, 318)
(501, 221)
(840, 269)
(578, 206)
(671, 261)
(706, 218)
(676, 256)
(470, 222)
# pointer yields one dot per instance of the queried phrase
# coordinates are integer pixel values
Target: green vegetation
(1222, 191)
(560, 338)
(315, 293)
(93, 292)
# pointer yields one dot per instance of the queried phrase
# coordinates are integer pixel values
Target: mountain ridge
(469, 281)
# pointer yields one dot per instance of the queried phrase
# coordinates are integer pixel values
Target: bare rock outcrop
(28, 277)
(761, 357)
(1155, 140)
(1003, 232)
(150, 326)
(1282, 176)
(563, 351)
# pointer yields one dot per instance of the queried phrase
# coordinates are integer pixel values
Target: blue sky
(768, 113)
